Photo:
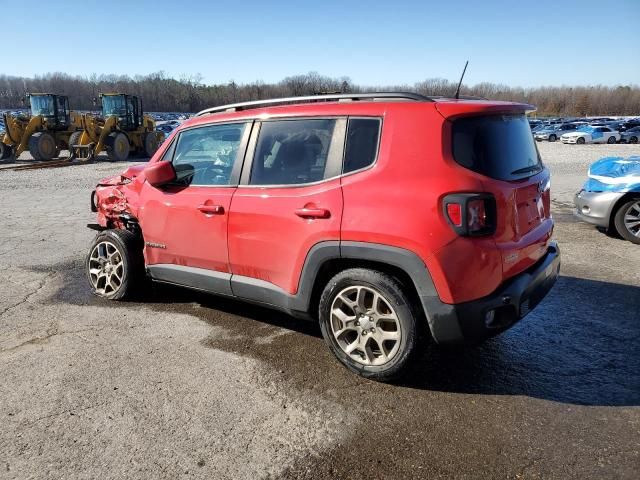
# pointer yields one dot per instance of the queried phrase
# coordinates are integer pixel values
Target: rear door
(288, 200)
(185, 223)
(500, 147)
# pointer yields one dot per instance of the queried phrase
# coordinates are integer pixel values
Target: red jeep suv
(375, 214)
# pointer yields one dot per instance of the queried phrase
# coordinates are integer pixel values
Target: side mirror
(160, 173)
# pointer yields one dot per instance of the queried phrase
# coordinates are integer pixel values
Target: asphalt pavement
(182, 384)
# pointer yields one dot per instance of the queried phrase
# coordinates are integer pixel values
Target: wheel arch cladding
(328, 258)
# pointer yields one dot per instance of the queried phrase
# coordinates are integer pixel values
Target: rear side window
(362, 143)
(498, 146)
(291, 152)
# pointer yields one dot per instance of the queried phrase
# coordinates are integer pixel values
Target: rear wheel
(611, 140)
(580, 141)
(74, 139)
(42, 146)
(117, 146)
(150, 144)
(633, 139)
(115, 265)
(627, 221)
(552, 138)
(368, 323)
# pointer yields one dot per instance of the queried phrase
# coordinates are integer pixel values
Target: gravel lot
(186, 385)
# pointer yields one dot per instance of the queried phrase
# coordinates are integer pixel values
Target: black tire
(552, 138)
(580, 141)
(129, 249)
(392, 292)
(633, 139)
(6, 151)
(611, 140)
(632, 207)
(74, 139)
(42, 146)
(150, 144)
(117, 146)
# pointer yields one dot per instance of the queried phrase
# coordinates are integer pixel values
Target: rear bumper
(596, 207)
(473, 322)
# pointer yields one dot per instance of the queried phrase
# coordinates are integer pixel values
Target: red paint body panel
(269, 241)
(396, 202)
(171, 217)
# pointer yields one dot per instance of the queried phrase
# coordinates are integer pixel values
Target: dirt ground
(185, 385)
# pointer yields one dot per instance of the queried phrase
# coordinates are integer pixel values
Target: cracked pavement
(186, 385)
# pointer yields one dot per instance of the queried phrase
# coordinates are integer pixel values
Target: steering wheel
(217, 174)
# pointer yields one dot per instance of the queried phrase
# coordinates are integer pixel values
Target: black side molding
(412, 265)
(299, 304)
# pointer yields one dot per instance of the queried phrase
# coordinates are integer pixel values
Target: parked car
(591, 134)
(630, 136)
(553, 132)
(601, 120)
(166, 129)
(610, 198)
(629, 124)
(534, 122)
(329, 210)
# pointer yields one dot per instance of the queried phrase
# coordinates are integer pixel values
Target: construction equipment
(45, 132)
(123, 128)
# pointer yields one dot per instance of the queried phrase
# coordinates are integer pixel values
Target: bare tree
(161, 92)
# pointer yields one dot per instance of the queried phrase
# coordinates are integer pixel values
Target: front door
(184, 224)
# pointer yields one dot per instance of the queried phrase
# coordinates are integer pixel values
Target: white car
(591, 134)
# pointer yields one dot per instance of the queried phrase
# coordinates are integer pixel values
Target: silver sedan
(610, 199)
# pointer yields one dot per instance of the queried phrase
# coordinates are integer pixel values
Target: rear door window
(293, 152)
(498, 146)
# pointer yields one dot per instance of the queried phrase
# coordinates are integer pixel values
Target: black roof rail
(460, 97)
(234, 107)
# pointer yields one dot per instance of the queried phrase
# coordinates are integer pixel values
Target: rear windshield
(498, 146)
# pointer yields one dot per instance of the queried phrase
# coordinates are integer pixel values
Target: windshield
(498, 146)
(113, 105)
(41, 105)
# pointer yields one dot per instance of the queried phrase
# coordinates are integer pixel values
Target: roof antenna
(457, 95)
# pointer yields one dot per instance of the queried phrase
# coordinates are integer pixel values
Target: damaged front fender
(117, 196)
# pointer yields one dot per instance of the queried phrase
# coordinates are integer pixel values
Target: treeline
(161, 93)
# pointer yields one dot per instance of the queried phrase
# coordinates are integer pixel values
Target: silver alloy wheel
(632, 219)
(365, 325)
(106, 268)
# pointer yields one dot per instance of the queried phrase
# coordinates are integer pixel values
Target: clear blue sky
(517, 42)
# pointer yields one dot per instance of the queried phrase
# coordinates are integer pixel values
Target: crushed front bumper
(475, 321)
(596, 207)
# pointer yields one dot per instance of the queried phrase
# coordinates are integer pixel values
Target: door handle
(211, 209)
(313, 212)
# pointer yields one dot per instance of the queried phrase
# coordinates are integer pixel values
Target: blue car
(610, 198)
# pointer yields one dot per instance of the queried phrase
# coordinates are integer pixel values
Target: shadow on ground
(580, 346)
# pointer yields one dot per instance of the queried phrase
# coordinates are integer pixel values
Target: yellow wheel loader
(44, 133)
(122, 129)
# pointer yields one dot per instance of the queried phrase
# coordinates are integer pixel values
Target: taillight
(471, 214)
(454, 212)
